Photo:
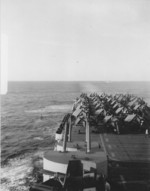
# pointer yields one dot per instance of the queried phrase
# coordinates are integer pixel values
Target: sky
(79, 40)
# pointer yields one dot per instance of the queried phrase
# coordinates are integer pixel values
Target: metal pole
(88, 137)
(86, 132)
(70, 129)
(65, 138)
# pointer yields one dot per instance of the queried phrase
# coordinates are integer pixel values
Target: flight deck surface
(131, 148)
(128, 161)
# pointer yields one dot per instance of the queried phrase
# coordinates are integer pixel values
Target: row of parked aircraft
(118, 113)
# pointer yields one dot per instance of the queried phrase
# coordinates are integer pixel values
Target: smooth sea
(30, 114)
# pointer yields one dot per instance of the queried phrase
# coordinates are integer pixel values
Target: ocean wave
(38, 138)
(51, 109)
(34, 144)
(21, 172)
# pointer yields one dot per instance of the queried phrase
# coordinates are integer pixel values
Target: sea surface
(30, 114)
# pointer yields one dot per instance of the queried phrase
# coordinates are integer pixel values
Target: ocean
(30, 114)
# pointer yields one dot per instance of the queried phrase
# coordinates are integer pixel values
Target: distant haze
(76, 39)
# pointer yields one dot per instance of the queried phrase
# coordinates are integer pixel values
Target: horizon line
(107, 81)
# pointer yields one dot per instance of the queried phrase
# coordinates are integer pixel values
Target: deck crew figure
(147, 132)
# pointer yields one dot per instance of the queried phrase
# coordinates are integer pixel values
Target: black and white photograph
(75, 95)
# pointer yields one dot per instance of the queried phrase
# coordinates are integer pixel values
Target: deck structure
(128, 161)
(104, 133)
